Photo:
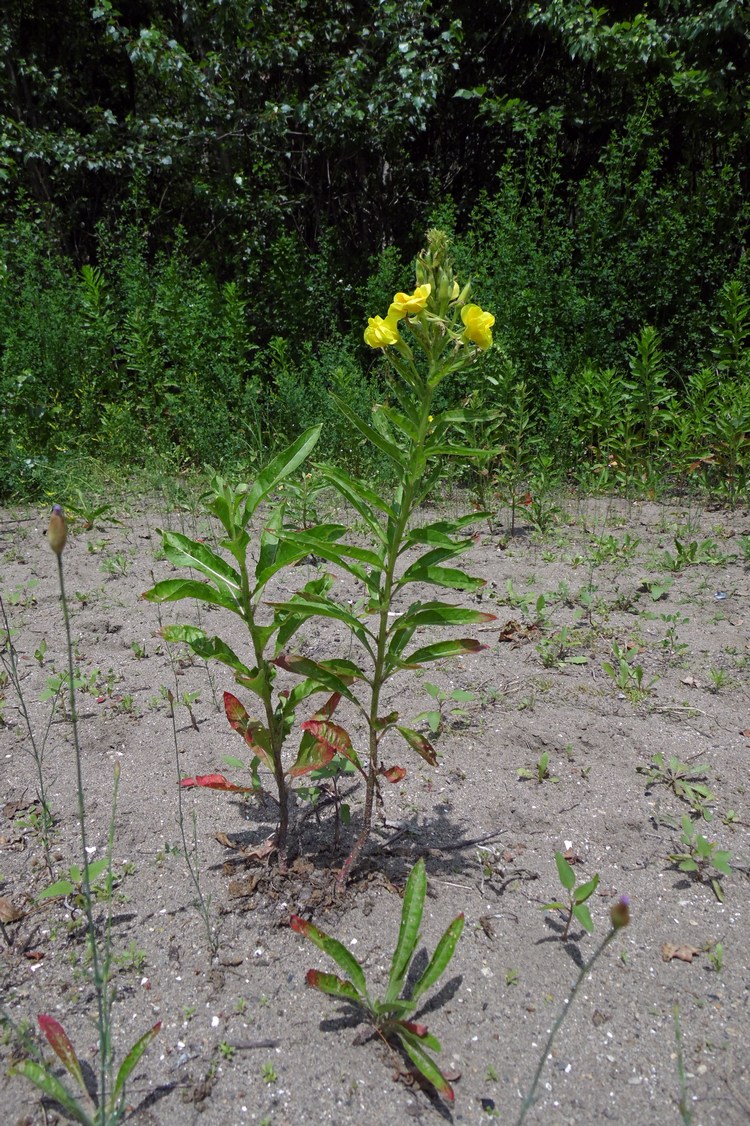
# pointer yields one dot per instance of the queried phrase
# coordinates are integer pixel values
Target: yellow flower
(405, 306)
(478, 326)
(380, 333)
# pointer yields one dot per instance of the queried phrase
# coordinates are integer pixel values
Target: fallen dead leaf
(684, 953)
(9, 913)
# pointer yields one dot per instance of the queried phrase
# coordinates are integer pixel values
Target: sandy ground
(243, 1039)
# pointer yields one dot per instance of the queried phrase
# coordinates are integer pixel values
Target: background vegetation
(200, 203)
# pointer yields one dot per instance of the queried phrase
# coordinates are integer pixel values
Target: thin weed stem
(528, 1102)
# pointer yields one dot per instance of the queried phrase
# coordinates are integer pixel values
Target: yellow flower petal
(478, 326)
(380, 333)
(404, 305)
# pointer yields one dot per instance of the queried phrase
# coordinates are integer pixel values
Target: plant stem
(528, 1102)
(100, 978)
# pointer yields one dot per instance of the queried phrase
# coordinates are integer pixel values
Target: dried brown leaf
(684, 952)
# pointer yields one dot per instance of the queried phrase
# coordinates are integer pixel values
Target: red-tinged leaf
(333, 737)
(329, 707)
(418, 743)
(384, 721)
(393, 773)
(332, 985)
(216, 782)
(33, 955)
(240, 721)
(299, 925)
(312, 755)
(419, 1030)
(60, 1044)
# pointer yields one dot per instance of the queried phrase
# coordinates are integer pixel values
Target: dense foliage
(200, 203)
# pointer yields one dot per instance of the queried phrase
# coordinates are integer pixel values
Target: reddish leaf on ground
(420, 1030)
(393, 773)
(216, 782)
(301, 926)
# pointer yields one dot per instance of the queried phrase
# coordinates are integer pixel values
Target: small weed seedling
(540, 773)
(700, 856)
(437, 717)
(688, 782)
(88, 511)
(626, 676)
(691, 555)
(389, 1016)
(74, 882)
(577, 896)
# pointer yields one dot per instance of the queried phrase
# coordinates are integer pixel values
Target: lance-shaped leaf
(335, 676)
(440, 959)
(440, 614)
(131, 1061)
(184, 552)
(408, 934)
(208, 648)
(390, 449)
(445, 527)
(335, 950)
(440, 576)
(325, 608)
(565, 872)
(282, 465)
(251, 730)
(215, 782)
(422, 1033)
(288, 549)
(418, 743)
(424, 1063)
(360, 496)
(441, 649)
(439, 554)
(173, 590)
(334, 737)
(332, 985)
(312, 755)
(59, 1042)
(51, 1086)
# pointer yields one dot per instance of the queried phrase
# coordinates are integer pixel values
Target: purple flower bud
(57, 531)
(620, 913)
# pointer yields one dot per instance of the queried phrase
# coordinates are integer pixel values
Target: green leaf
(205, 647)
(419, 744)
(585, 891)
(172, 590)
(361, 497)
(370, 433)
(184, 552)
(131, 1061)
(441, 649)
(285, 463)
(334, 676)
(332, 985)
(312, 755)
(335, 950)
(439, 613)
(51, 1086)
(582, 913)
(720, 861)
(408, 935)
(440, 576)
(424, 1063)
(440, 959)
(565, 872)
(60, 887)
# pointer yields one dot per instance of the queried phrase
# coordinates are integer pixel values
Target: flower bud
(620, 913)
(57, 530)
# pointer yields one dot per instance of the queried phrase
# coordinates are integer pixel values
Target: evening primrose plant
(426, 336)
